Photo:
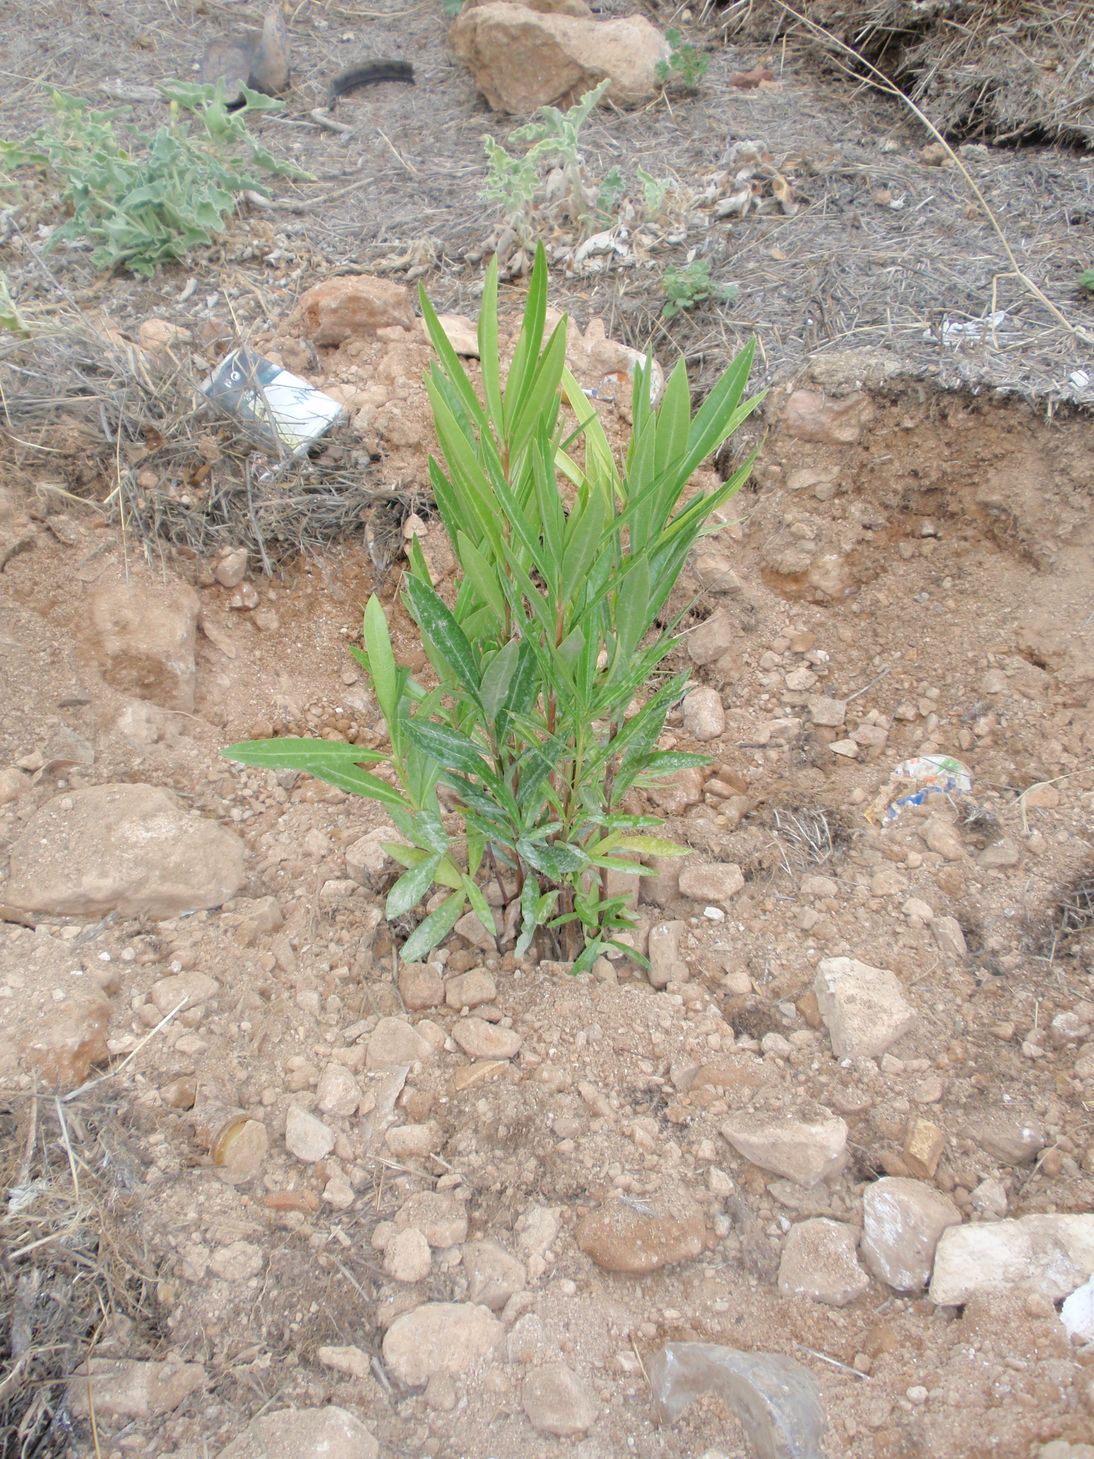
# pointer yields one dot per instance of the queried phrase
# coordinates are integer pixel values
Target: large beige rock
(354, 306)
(641, 1236)
(125, 1388)
(439, 1337)
(902, 1222)
(807, 1147)
(142, 637)
(819, 1263)
(1049, 1254)
(522, 59)
(863, 1008)
(304, 1433)
(135, 849)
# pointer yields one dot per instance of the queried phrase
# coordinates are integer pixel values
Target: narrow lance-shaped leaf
(439, 625)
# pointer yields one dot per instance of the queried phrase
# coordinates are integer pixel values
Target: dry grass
(991, 70)
(70, 1258)
(99, 419)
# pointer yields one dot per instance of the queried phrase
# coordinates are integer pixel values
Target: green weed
(686, 65)
(691, 285)
(142, 203)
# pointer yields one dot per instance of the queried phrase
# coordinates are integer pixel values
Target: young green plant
(551, 689)
(687, 287)
(142, 203)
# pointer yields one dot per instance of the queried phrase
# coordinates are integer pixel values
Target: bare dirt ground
(930, 577)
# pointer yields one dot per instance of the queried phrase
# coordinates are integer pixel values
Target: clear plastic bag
(775, 1398)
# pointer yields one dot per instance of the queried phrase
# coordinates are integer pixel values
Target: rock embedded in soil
(143, 636)
(420, 986)
(134, 849)
(407, 1257)
(902, 1223)
(306, 1136)
(493, 1274)
(704, 713)
(940, 835)
(482, 1040)
(354, 306)
(666, 964)
(1050, 1254)
(304, 1433)
(712, 639)
(395, 1042)
(1009, 1137)
(55, 1020)
(811, 416)
(806, 1149)
(712, 882)
(125, 1388)
(557, 1402)
(441, 1218)
(337, 1092)
(819, 1262)
(439, 1337)
(863, 1008)
(470, 989)
(639, 1235)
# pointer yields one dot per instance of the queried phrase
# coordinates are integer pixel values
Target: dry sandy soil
(924, 585)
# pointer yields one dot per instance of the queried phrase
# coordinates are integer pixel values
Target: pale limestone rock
(1047, 1253)
(805, 1148)
(307, 1137)
(557, 1402)
(902, 1223)
(304, 1433)
(863, 1008)
(439, 1337)
(819, 1262)
(143, 636)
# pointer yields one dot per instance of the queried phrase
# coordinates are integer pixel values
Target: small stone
(420, 986)
(949, 937)
(189, 989)
(125, 1388)
(848, 749)
(366, 859)
(231, 569)
(805, 1149)
(923, 1147)
(12, 784)
(482, 1040)
(704, 713)
(238, 1261)
(406, 1256)
(1000, 853)
(472, 931)
(715, 882)
(394, 1042)
(819, 1262)
(1009, 1137)
(940, 836)
(307, 1137)
(666, 964)
(468, 990)
(493, 1275)
(712, 639)
(989, 1199)
(439, 1337)
(556, 1402)
(415, 1141)
(642, 1236)
(338, 1092)
(863, 1007)
(350, 1360)
(825, 711)
(1049, 1254)
(902, 1223)
(304, 1433)
(440, 1217)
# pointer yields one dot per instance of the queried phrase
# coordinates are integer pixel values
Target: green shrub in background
(142, 204)
(551, 686)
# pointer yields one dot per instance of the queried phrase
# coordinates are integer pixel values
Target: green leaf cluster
(686, 65)
(551, 685)
(143, 202)
(691, 285)
(1086, 280)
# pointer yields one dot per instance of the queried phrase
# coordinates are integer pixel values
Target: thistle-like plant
(551, 689)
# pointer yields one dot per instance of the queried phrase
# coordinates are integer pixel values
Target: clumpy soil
(934, 575)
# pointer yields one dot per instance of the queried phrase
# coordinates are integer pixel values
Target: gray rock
(806, 1148)
(133, 849)
(484, 1040)
(125, 1388)
(493, 1274)
(902, 1223)
(863, 1008)
(557, 1402)
(407, 1257)
(440, 1217)
(1012, 1138)
(304, 1433)
(712, 639)
(666, 964)
(1050, 1254)
(394, 1042)
(439, 1337)
(819, 1262)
